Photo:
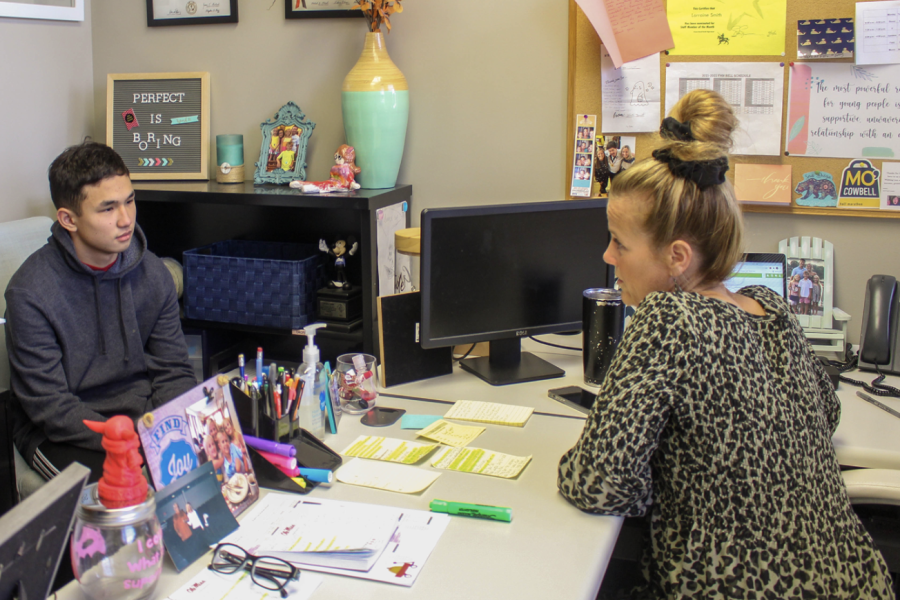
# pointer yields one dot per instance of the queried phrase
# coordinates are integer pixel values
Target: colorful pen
(259, 363)
(320, 475)
(479, 511)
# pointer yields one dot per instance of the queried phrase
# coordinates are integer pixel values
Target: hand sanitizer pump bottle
(312, 401)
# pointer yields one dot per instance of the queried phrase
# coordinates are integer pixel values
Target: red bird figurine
(122, 484)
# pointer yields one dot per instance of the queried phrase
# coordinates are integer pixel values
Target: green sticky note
(409, 421)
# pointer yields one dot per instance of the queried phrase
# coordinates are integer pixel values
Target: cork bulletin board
(584, 97)
(159, 123)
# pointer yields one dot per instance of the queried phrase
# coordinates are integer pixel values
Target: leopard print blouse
(719, 423)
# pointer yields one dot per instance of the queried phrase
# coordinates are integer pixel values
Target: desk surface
(549, 550)
(867, 436)
(462, 385)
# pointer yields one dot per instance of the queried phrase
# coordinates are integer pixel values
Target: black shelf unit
(179, 216)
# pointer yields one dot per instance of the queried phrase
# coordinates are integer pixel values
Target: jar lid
(92, 511)
(607, 294)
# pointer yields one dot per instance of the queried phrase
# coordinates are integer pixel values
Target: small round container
(116, 553)
(357, 382)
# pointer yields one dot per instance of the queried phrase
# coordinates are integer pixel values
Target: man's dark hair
(78, 166)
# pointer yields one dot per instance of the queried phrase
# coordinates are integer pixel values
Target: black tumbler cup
(604, 322)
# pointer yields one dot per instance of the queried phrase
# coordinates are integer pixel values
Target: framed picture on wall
(320, 9)
(162, 13)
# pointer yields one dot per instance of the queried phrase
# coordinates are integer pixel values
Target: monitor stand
(508, 364)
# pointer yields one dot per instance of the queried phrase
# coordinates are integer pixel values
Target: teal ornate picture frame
(282, 156)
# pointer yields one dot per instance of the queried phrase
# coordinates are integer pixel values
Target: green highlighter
(479, 511)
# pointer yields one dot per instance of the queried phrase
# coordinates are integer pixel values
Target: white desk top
(462, 385)
(549, 550)
(867, 436)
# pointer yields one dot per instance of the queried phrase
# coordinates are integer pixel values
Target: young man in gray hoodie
(93, 328)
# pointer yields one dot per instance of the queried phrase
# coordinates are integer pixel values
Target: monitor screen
(503, 272)
(760, 269)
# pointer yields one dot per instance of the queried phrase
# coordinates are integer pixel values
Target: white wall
(46, 104)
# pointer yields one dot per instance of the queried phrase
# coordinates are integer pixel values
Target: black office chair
(9, 495)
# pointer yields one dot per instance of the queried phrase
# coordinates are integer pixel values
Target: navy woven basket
(265, 284)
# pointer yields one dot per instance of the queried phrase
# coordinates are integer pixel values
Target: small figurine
(340, 252)
(343, 175)
(122, 484)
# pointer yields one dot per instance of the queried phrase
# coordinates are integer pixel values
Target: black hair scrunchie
(674, 129)
(705, 173)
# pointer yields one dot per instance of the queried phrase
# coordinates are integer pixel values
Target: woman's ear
(679, 256)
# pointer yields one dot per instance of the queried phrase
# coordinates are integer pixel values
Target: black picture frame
(189, 18)
(306, 13)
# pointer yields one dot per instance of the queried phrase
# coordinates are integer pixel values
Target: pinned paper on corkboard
(763, 184)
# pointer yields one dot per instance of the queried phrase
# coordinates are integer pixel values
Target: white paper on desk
(631, 96)
(480, 461)
(489, 412)
(310, 532)
(452, 434)
(877, 40)
(389, 449)
(210, 585)
(403, 559)
(385, 476)
(753, 89)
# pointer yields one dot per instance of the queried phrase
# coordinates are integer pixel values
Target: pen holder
(266, 427)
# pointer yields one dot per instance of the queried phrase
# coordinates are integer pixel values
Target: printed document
(489, 412)
(389, 449)
(482, 462)
(451, 434)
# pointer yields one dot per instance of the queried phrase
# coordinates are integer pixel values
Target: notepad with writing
(489, 412)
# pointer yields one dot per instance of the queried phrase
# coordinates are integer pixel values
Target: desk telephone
(879, 342)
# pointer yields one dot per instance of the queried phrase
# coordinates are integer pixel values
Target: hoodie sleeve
(166, 353)
(38, 379)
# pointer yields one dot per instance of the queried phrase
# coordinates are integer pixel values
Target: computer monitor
(760, 269)
(504, 272)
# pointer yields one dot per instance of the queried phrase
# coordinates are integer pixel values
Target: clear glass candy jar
(116, 552)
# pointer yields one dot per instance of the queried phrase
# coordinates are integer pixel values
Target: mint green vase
(375, 104)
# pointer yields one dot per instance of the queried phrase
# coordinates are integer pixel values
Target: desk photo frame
(287, 132)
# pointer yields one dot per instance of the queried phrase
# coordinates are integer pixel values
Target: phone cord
(876, 387)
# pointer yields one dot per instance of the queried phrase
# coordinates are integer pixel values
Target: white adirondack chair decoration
(826, 331)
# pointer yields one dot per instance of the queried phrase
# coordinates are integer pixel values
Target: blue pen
(320, 475)
(241, 365)
(259, 363)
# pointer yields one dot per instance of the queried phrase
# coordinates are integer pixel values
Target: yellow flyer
(727, 27)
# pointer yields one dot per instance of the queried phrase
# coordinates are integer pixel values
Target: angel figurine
(343, 175)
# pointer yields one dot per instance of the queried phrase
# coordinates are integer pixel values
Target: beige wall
(487, 85)
(488, 104)
(46, 104)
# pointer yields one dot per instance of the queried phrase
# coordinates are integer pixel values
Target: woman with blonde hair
(714, 417)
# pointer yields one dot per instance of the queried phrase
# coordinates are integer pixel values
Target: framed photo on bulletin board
(320, 9)
(159, 123)
(161, 13)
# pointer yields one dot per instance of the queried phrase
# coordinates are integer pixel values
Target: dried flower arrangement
(377, 12)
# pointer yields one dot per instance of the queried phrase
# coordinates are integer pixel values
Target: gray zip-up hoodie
(87, 344)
